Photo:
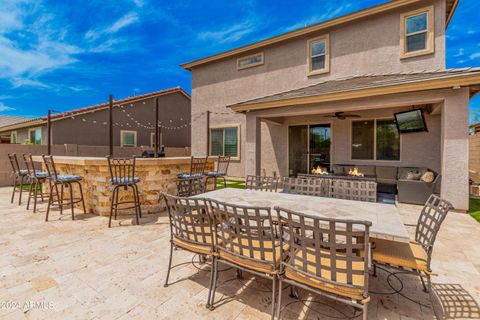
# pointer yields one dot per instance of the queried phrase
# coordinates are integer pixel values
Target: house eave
(309, 30)
(414, 86)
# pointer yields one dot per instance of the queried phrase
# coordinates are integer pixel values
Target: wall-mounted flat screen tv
(410, 121)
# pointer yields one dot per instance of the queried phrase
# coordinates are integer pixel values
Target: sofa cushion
(337, 169)
(409, 173)
(384, 172)
(428, 177)
(367, 170)
(387, 181)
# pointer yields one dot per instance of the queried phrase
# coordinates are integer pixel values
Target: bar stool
(36, 179)
(220, 173)
(18, 174)
(197, 168)
(57, 181)
(122, 173)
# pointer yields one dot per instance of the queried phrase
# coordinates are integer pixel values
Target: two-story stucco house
(328, 94)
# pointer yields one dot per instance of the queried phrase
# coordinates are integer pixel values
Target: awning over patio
(366, 86)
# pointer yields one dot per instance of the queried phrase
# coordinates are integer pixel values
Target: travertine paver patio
(83, 270)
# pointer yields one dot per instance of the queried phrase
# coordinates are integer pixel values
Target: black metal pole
(208, 133)
(110, 124)
(156, 128)
(49, 132)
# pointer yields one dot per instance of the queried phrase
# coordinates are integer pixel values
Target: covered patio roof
(366, 86)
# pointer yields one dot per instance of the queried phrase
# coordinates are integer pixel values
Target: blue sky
(67, 54)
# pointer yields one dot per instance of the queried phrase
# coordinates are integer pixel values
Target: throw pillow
(428, 177)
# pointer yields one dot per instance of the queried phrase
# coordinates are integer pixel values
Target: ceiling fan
(342, 115)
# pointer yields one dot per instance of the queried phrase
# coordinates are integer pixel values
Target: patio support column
(252, 145)
(455, 148)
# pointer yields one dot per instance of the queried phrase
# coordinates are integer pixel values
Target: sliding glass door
(309, 147)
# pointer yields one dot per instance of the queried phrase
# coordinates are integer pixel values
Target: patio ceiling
(365, 86)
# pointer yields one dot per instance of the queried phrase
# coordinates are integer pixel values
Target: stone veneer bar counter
(156, 175)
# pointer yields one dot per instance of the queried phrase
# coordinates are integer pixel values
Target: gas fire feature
(319, 170)
(355, 173)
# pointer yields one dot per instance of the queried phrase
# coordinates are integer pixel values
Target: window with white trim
(128, 138)
(225, 141)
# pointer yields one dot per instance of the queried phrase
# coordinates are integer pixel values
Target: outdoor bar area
(154, 173)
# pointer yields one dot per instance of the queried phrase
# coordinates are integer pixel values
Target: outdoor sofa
(411, 184)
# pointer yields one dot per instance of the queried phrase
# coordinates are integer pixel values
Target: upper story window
(318, 59)
(417, 32)
(250, 61)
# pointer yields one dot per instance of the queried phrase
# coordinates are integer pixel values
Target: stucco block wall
(175, 107)
(363, 47)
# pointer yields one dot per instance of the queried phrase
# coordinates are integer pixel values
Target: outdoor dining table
(385, 218)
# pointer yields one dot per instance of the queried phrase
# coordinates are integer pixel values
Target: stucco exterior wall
(363, 47)
(422, 149)
(175, 107)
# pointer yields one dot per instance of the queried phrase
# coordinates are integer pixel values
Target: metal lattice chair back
(197, 166)
(431, 218)
(29, 164)
(319, 187)
(245, 232)
(262, 183)
(122, 170)
(354, 189)
(190, 187)
(50, 166)
(189, 220)
(14, 163)
(222, 164)
(327, 250)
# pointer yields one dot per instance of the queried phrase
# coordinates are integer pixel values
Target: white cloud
(229, 34)
(128, 19)
(474, 56)
(5, 108)
(329, 13)
(460, 52)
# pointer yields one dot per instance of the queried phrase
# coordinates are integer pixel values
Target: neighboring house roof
(365, 86)
(9, 120)
(393, 4)
(94, 108)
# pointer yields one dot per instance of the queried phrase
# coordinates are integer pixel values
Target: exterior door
(309, 147)
(319, 151)
(297, 150)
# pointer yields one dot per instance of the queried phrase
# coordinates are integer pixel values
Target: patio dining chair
(197, 168)
(318, 187)
(220, 172)
(323, 256)
(36, 180)
(416, 255)
(191, 187)
(57, 185)
(190, 230)
(19, 177)
(122, 176)
(246, 240)
(262, 183)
